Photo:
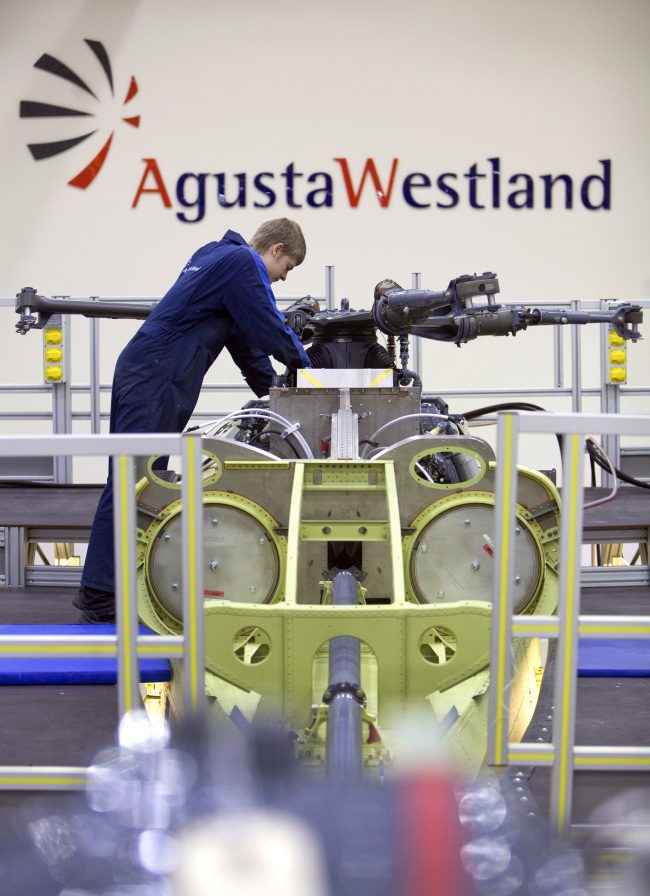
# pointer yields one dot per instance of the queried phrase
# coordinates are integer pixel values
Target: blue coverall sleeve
(252, 361)
(251, 304)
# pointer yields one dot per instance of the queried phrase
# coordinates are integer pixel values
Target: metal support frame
(563, 755)
(127, 645)
(610, 403)
(95, 378)
(15, 553)
(62, 407)
(576, 364)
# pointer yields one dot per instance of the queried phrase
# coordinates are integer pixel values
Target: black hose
(275, 432)
(510, 406)
(595, 453)
(507, 406)
(592, 449)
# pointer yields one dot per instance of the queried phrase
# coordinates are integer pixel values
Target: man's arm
(252, 361)
(250, 302)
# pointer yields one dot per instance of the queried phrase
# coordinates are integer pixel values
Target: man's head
(281, 246)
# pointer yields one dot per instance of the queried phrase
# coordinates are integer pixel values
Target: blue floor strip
(623, 657)
(72, 670)
(614, 657)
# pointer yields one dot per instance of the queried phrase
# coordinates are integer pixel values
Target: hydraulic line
(596, 454)
(428, 415)
(263, 414)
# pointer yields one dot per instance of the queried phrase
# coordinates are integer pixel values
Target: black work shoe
(89, 617)
(96, 605)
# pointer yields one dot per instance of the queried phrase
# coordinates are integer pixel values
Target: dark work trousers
(155, 389)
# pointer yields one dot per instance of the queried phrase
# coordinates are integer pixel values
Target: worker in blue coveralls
(222, 299)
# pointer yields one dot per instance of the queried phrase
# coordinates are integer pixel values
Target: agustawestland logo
(487, 185)
(91, 108)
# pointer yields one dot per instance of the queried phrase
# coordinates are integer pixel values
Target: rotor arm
(454, 314)
(397, 310)
(35, 310)
(623, 319)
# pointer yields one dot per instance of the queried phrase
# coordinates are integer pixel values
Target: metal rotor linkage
(35, 310)
(453, 315)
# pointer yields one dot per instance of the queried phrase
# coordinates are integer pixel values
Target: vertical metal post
(558, 357)
(610, 402)
(502, 594)
(192, 535)
(576, 363)
(61, 407)
(329, 287)
(128, 673)
(416, 341)
(95, 377)
(568, 612)
(15, 542)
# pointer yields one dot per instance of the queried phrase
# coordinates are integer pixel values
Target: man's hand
(298, 314)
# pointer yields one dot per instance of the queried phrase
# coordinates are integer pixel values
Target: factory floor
(67, 725)
(51, 725)
(611, 711)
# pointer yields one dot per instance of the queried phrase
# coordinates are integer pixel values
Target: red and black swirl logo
(89, 107)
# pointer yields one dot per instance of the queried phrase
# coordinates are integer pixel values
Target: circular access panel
(453, 558)
(240, 559)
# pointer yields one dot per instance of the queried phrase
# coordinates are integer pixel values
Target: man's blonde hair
(280, 230)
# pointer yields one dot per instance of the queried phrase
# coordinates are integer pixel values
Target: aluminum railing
(567, 625)
(127, 645)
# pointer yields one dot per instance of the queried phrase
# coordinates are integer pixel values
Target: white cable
(398, 420)
(419, 467)
(264, 414)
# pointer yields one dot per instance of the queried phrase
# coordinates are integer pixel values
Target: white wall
(548, 87)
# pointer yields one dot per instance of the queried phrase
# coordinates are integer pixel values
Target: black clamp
(345, 687)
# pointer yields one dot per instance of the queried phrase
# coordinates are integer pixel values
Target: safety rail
(127, 645)
(563, 755)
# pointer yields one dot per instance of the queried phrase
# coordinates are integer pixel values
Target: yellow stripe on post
(566, 762)
(125, 497)
(503, 597)
(191, 469)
